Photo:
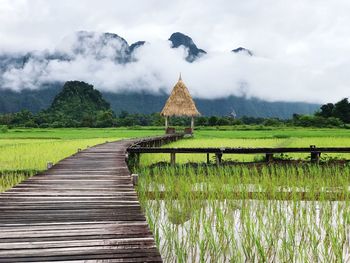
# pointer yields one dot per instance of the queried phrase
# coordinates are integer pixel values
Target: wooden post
(172, 159)
(192, 124)
(49, 165)
(315, 155)
(208, 159)
(166, 123)
(218, 158)
(269, 157)
(135, 179)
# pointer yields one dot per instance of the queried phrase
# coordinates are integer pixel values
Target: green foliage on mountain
(78, 100)
(77, 105)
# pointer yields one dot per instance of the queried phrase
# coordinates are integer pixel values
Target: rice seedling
(209, 214)
(11, 178)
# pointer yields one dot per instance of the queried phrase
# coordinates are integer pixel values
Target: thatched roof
(180, 102)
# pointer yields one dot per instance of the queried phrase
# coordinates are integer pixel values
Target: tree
(326, 110)
(212, 121)
(105, 119)
(342, 110)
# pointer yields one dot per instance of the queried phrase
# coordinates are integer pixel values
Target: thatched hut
(180, 103)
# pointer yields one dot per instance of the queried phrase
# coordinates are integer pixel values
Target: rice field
(207, 214)
(24, 152)
(263, 213)
(255, 213)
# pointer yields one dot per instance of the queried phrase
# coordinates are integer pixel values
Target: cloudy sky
(301, 47)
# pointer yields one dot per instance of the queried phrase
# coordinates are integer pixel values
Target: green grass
(27, 151)
(79, 133)
(194, 218)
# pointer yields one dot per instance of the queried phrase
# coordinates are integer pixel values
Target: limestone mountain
(243, 50)
(25, 85)
(78, 100)
(193, 52)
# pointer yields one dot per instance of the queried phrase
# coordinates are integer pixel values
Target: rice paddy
(209, 215)
(24, 152)
(239, 213)
(249, 213)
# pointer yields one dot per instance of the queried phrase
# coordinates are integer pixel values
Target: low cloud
(155, 67)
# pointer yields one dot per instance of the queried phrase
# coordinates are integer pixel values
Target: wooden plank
(83, 209)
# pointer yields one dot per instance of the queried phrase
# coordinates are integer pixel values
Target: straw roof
(180, 102)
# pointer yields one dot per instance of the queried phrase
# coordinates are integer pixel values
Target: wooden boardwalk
(84, 209)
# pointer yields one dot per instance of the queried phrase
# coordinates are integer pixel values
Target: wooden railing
(315, 152)
(154, 142)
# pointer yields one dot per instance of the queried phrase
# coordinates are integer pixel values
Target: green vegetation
(206, 214)
(255, 213)
(10, 178)
(24, 152)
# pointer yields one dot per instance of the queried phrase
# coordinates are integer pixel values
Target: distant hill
(77, 100)
(145, 102)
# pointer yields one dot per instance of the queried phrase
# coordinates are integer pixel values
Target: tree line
(80, 105)
(104, 119)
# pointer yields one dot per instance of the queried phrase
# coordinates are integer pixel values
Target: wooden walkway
(84, 209)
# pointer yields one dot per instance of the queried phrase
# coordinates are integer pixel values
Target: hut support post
(192, 124)
(166, 122)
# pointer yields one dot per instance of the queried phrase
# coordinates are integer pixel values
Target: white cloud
(302, 47)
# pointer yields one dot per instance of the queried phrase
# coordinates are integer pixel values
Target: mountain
(243, 50)
(193, 52)
(26, 73)
(145, 102)
(76, 100)
(97, 46)
(104, 46)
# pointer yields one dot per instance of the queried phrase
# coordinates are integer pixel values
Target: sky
(301, 48)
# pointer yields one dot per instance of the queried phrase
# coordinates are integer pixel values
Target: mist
(300, 47)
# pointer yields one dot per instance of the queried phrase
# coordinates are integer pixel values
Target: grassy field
(23, 152)
(207, 215)
(247, 213)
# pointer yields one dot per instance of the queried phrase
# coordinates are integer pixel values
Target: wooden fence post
(49, 165)
(172, 159)
(208, 159)
(315, 155)
(218, 158)
(135, 179)
(269, 157)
